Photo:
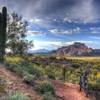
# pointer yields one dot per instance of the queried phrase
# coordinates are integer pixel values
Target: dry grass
(84, 58)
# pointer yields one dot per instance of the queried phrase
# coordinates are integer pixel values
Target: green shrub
(46, 86)
(98, 80)
(48, 96)
(2, 85)
(75, 65)
(22, 66)
(30, 68)
(18, 96)
(10, 67)
(18, 70)
(28, 78)
(25, 64)
(35, 70)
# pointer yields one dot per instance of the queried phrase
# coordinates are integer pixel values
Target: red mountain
(76, 49)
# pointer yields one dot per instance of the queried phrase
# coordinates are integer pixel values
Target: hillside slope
(16, 83)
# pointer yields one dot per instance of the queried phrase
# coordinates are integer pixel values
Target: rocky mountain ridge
(78, 49)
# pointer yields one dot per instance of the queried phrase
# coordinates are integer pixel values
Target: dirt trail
(69, 91)
(16, 83)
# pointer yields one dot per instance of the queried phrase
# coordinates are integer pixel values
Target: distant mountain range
(77, 49)
(39, 51)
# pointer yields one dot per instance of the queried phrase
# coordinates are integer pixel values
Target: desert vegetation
(40, 68)
(43, 65)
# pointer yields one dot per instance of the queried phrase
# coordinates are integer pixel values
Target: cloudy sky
(56, 23)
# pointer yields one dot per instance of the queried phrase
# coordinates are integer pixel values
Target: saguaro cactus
(3, 25)
(0, 34)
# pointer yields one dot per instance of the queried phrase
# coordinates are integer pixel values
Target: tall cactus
(3, 25)
(0, 35)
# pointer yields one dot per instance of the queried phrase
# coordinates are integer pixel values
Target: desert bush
(2, 85)
(53, 72)
(18, 96)
(3, 88)
(54, 69)
(75, 65)
(98, 80)
(46, 86)
(50, 73)
(23, 66)
(28, 78)
(36, 70)
(48, 96)
(30, 68)
(18, 70)
(10, 67)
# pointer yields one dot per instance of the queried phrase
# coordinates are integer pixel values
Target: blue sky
(62, 34)
(56, 23)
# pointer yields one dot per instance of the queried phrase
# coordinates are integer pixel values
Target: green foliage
(30, 68)
(48, 96)
(75, 65)
(2, 85)
(28, 78)
(53, 72)
(38, 72)
(17, 28)
(12, 67)
(26, 70)
(13, 59)
(98, 80)
(18, 96)
(54, 69)
(46, 86)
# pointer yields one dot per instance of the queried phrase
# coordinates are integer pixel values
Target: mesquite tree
(3, 25)
(16, 34)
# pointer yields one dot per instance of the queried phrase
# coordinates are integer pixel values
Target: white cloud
(68, 31)
(95, 29)
(35, 20)
(71, 42)
(33, 33)
(67, 19)
(54, 31)
(45, 44)
(94, 37)
(84, 12)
